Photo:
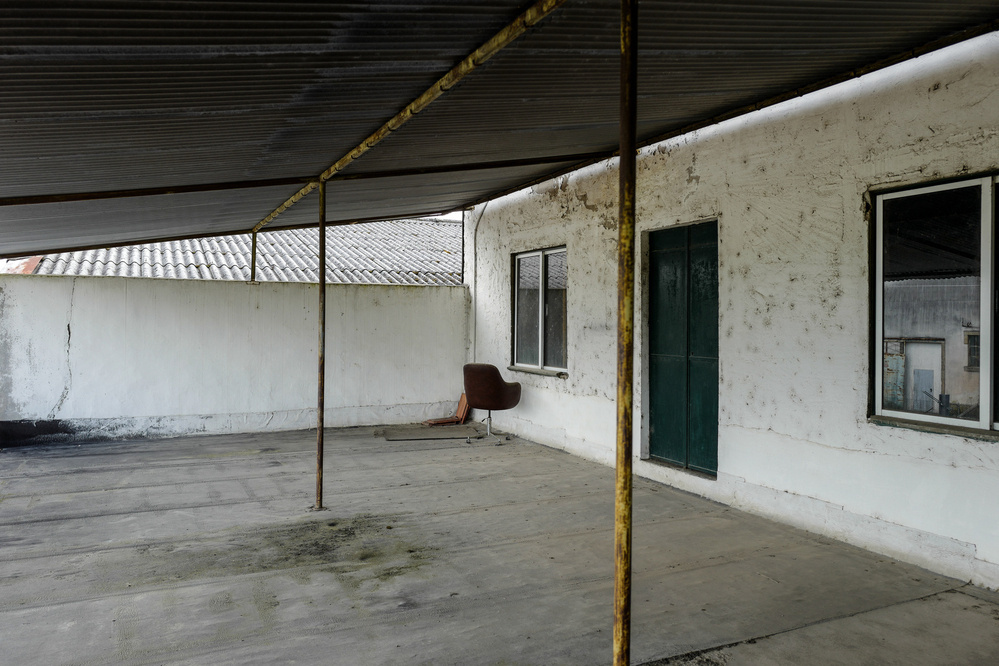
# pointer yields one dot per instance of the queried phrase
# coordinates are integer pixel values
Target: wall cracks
(69, 361)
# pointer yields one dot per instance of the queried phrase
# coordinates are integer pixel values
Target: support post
(253, 258)
(321, 397)
(625, 334)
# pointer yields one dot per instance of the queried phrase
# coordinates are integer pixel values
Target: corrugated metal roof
(108, 95)
(412, 252)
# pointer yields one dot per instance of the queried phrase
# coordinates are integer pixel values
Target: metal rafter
(473, 61)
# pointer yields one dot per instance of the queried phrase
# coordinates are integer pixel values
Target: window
(934, 289)
(973, 340)
(540, 306)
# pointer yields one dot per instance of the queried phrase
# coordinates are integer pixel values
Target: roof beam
(236, 232)
(575, 158)
(476, 58)
(150, 191)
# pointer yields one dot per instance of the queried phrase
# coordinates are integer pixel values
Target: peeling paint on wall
(789, 188)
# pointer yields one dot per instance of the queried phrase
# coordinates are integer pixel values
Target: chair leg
(489, 423)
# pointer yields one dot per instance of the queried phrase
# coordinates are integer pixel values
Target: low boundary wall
(114, 358)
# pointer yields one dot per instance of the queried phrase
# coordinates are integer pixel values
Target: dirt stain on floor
(355, 549)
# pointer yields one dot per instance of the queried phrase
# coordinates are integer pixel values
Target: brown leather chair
(486, 389)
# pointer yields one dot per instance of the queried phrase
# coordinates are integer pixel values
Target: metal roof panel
(101, 95)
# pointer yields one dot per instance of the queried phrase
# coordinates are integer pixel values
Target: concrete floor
(201, 550)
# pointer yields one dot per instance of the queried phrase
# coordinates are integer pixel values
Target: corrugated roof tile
(418, 251)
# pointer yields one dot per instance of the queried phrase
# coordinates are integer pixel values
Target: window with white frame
(540, 307)
(934, 267)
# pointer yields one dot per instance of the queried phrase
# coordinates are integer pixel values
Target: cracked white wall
(788, 187)
(124, 357)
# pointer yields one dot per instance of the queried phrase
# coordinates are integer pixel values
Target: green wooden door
(683, 346)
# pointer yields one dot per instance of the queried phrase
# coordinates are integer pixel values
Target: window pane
(932, 299)
(528, 303)
(974, 351)
(557, 270)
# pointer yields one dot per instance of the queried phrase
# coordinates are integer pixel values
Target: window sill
(561, 374)
(935, 428)
(680, 468)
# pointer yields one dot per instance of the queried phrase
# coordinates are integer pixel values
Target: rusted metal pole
(253, 258)
(473, 61)
(625, 334)
(321, 397)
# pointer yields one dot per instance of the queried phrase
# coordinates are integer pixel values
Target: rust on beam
(469, 64)
(294, 199)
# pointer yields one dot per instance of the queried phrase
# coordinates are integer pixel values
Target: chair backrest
(486, 389)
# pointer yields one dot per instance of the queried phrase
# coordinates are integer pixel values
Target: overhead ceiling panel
(391, 197)
(110, 95)
(555, 90)
(44, 228)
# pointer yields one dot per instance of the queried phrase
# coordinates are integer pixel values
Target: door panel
(922, 393)
(668, 345)
(683, 346)
(668, 297)
(703, 324)
(702, 415)
(668, 420)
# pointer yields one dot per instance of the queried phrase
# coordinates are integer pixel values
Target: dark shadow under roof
(234, 106)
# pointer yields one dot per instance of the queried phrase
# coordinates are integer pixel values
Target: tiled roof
(420, 251)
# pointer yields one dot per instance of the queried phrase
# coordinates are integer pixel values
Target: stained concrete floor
(200, 550)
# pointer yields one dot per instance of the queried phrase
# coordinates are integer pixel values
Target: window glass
(556, 273)
(932, 271)
(541, 309)
(974, 351)
(528, 309)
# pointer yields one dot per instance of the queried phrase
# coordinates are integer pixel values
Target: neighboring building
(815, 329)
(932, 346)
(419, 251)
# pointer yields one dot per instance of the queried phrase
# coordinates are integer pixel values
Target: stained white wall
(789, 188)
(138, 357)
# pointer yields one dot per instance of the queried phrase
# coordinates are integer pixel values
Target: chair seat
(486, 388)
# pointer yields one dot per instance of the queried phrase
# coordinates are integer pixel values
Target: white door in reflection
(923, 376)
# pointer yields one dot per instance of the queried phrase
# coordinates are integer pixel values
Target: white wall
(124, 357)
(789, 189)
